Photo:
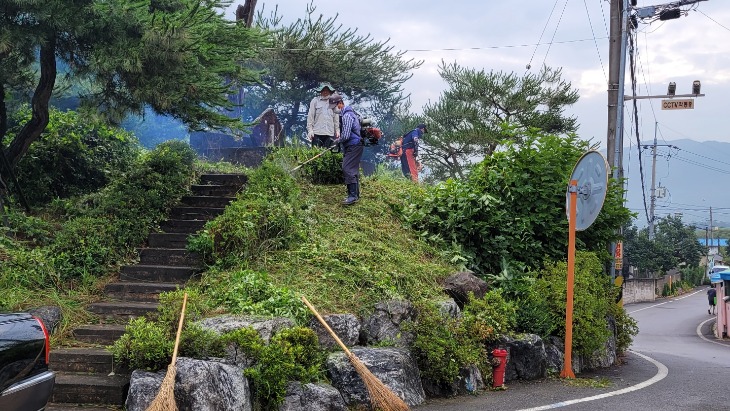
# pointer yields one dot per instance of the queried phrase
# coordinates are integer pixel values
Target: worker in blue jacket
(410, 152)
(352, 147)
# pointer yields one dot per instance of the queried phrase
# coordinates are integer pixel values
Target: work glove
(310, 135)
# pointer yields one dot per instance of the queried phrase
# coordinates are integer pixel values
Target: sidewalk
(526, 394)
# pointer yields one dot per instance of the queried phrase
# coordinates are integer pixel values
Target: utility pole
(653, 185)
(616, 77)
(619, 15)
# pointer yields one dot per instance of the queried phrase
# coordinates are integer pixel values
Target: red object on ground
(500, 355)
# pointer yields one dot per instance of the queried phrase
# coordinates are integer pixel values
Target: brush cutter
(313, 158)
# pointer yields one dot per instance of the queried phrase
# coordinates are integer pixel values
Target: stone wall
(639, 290)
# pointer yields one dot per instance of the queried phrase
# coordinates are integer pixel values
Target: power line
(716, 22)
(590, 23)
(555, 32)
(632, 57)
(541, 34)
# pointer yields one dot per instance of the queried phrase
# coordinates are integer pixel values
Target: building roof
(723, 242)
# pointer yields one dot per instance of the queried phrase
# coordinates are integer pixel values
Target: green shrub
(291, 355)
(594, 297)
(148, 343)
(512, 205)
(265, 217)
(83, 247)
(489, 317)
(326, 169)
(145, 345)
(73, 156)
(626, 328)
(442, 346)
(251, 292)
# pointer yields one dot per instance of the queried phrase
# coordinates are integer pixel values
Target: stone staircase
(86, 378)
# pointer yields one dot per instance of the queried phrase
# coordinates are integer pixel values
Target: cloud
(501, 35)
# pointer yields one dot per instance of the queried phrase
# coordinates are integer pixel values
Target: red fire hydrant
(500, 364)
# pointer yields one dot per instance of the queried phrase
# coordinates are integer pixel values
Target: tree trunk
(3, 115)
(39, 105)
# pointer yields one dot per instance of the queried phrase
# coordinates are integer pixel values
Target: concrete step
(64, 407)
(81, 388)
(176, 257)
(224, 179)
(122, 310)
(182, 226)
(215, 190)
(85, 360)
(156, 273)
(167, 240)
(104, 334)
(141, 292)
(196, 213)
(206, 201)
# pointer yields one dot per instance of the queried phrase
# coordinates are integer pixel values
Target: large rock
(526, 359)
(312, 397)
(449, 309)
(266, 327)
(394, 367)
(346, 326)
(383, 326)
(555, 353)
(199, 386)
(50, 315)
(459, 285)
(469, 381)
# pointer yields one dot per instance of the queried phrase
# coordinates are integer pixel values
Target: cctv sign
(678, 104)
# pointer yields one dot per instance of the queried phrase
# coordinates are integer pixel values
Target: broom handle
(324, 323)
(179, 329)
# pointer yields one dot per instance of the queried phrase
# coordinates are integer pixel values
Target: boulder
(469, 381)
(50, 315)
(605, 356)
(449, 309)
(312, 397)
(266, 327)
(459, 285)
(383, 326)
(555, 352)
(199, 386)
(526, 358)
(346, 326)
(394, 367)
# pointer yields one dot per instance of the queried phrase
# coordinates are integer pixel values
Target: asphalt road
(670, 367)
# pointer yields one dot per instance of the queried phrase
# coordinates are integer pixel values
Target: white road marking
(699, 332)
(662, 372)
(665, 302)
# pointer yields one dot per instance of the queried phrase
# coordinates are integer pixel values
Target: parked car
(26, 382)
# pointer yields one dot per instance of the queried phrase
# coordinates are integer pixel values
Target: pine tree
(180, 57)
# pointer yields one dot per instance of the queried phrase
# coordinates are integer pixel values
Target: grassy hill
(343, 259)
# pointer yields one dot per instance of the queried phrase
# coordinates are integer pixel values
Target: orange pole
(567, 371)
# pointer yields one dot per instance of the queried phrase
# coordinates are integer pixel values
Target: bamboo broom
(165, 399)
(381, 397)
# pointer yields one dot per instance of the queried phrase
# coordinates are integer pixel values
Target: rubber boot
(352, 194)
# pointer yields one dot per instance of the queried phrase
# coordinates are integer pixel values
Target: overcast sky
(503, 35)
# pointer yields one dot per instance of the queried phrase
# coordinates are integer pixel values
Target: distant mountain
(692, 178)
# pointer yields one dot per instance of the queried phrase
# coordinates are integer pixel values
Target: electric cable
(529, 63)
(632, 70)
(716, 22)
(590, 24)
(555, 32)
